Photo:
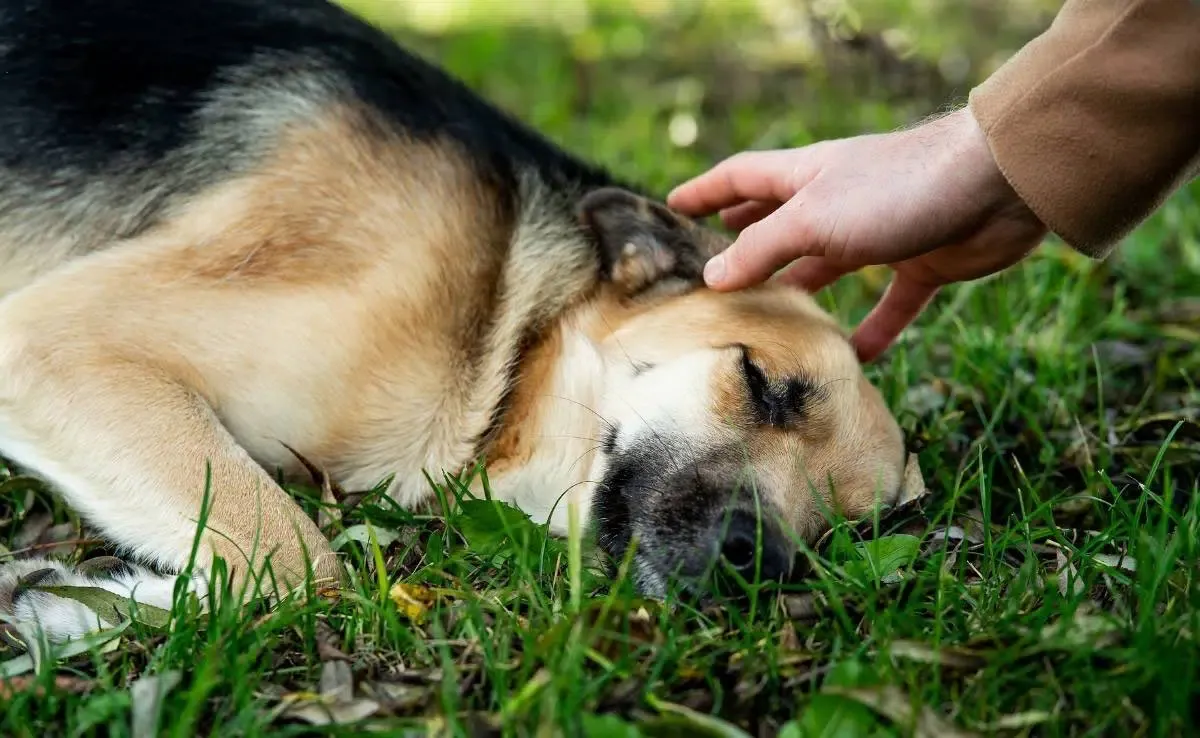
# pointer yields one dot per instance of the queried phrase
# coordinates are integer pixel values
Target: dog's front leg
(98, 397)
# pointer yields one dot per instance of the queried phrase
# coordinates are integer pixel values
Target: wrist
(976, 169)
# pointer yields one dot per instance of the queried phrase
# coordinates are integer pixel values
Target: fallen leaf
(882, 557)
(955, 533)
(1069, 582)
(947, 657)
(789, 639)
(327, 644)
(334, 703)
(925, 399)
(361, 534)
(803, 606)
(398, 697)
(1086, 631)
(337, 681)
(1016, 721)
(698, 722)
(1112, 561)
(111, 606)
(33, 527)
(894, 704)
(412, 599)
(315, 710)
(1121, 353)
(103, 640)
(1185, 310)
(146, 696)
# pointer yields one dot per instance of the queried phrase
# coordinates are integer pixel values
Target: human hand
(930, 202)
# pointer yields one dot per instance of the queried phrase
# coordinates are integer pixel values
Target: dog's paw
(35, 614)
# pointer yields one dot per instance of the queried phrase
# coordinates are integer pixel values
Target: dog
(235, 234)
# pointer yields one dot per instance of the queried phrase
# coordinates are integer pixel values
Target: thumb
(763, 249)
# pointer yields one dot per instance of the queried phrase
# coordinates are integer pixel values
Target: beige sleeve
(1097, 121)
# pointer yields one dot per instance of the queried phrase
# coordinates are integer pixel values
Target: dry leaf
(335, 501)
(1068, 575)
(412, 599)
(1112, 561)
(913, 487)
(803, 606)
(1016, 721)
(337, 681)
(948, 657)
(789, 639)
(315, 710)
(334, 704)
(894, 704)
(398, 697)
(32, 529)
(327, 644)
(146, 695)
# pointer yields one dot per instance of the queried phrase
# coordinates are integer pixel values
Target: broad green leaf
(880, 557)
(111, 606)
(608, 726)
(834, 716)
(102, 639)
(487, 524)
(362, 534)
(791, 729)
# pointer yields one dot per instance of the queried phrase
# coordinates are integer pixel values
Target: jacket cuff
(1097, 121)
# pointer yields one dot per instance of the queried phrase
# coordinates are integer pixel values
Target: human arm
(1046, 141)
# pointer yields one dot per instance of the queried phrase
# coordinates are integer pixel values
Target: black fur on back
(114, 91)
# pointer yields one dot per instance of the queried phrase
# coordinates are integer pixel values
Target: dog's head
(736, 422)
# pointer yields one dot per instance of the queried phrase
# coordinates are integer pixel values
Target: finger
(750, 175)
(763, 248)
(746, 213)
(813, 274)
(900, 305)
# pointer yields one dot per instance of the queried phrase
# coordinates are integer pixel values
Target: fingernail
(714, 270)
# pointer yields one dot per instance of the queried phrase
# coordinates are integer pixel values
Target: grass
(1046, 586)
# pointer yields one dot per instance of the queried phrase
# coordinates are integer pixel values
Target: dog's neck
(554, 429)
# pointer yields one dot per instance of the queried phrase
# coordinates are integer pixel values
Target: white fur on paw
(36, 614)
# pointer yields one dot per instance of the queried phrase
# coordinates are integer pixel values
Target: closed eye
(775, 403)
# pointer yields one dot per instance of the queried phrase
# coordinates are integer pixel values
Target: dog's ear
(642, 242)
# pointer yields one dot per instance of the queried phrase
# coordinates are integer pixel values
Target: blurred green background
(659, 89)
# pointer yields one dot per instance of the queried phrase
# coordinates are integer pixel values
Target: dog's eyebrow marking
(801, 392)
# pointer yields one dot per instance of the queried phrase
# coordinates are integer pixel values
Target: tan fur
(293, 305)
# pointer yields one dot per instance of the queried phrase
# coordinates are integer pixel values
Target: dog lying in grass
(231, 229)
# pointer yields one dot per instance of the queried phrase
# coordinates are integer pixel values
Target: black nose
(754, 551)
